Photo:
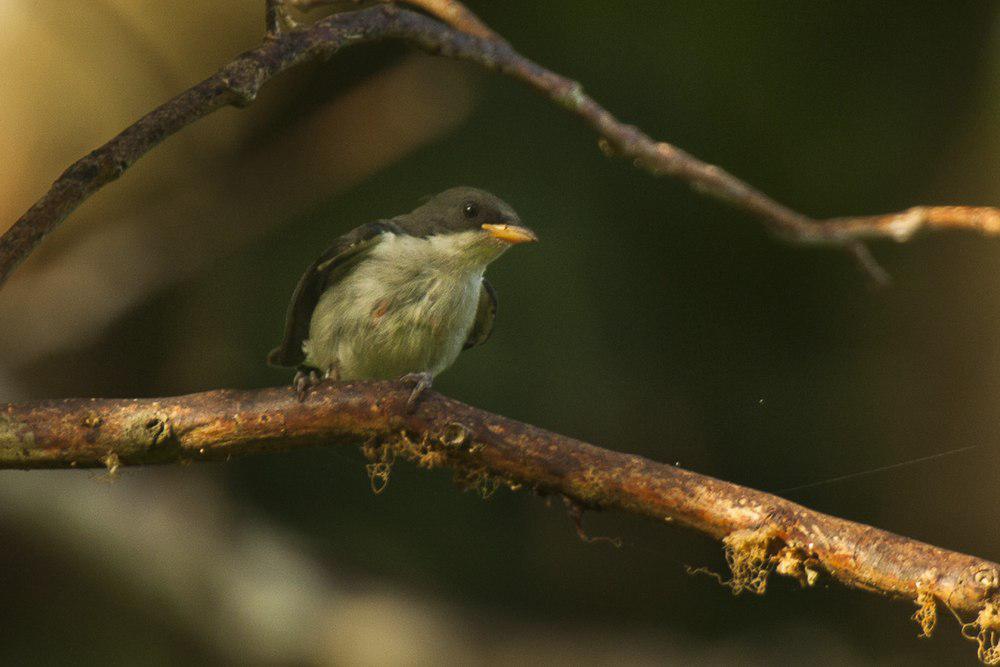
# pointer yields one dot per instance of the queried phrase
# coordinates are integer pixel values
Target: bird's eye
(470, 209)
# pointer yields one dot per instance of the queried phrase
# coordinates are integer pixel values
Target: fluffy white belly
(388, 318)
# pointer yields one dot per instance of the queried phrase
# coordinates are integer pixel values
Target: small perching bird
(400, 298)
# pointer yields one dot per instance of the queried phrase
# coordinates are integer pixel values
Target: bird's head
(471, 222)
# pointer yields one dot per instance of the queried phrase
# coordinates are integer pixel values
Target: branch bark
(761, 532)
(238, 82)
(452, 12)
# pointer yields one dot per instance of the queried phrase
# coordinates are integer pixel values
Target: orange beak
(511, 233)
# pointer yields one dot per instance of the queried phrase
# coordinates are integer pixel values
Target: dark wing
(482, 327)
(331, 266)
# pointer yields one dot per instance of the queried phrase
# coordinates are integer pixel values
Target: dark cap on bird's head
(464, 209)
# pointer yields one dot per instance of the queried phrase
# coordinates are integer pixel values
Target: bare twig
(276, 18)
(451, 12)
(761, 532)
(272, 16)
(238, 82)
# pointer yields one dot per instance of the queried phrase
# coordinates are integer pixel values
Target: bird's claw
(421, 382)
(305, 379)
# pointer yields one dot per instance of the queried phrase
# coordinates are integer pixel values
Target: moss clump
(926, 613)
(799, 564)
(382, 458)
(985, 631)
(478, 480)
(113, 464)
(453, 448)
(750, 554)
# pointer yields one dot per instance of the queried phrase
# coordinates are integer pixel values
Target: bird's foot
(421, 382)
(305, 379)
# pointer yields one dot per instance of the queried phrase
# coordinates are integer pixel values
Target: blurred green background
(649, 320)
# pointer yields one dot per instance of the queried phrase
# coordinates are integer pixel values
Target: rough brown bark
(237, 84)
(761, 532)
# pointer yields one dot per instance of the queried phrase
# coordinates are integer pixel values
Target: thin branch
(276, 18)
(761, 532)
(451, 12)
(238, 82)
(273, 15)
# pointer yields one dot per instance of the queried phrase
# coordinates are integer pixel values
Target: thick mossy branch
(761, 533)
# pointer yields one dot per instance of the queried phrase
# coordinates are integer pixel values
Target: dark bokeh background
(649, 319)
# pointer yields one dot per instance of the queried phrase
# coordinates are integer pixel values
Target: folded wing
(330, 267)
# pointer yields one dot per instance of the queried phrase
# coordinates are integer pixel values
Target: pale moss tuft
(926, 613)
(113, 464)
(984, 631)
(750, 556)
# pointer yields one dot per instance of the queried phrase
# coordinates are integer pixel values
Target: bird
(400, 298)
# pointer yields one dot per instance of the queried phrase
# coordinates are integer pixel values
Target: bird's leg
(421, 382)
(305, 379)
